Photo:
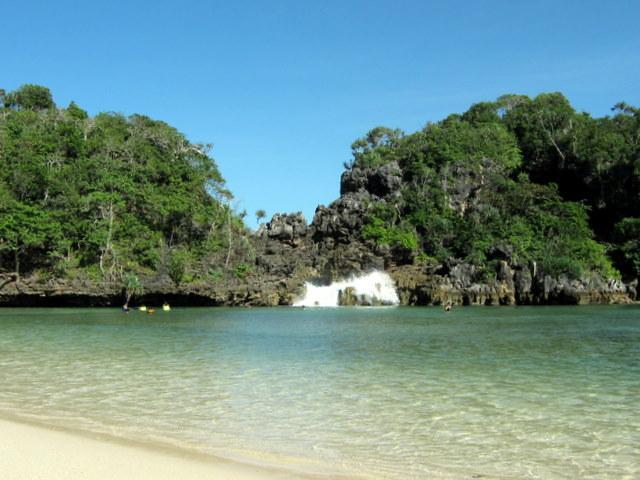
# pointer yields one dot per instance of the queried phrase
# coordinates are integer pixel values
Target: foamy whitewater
(371, 288)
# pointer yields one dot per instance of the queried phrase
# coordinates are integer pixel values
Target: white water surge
(375, 288)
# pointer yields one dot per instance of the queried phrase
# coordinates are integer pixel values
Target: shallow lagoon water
(527, 392)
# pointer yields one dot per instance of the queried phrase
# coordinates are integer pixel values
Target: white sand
(30, 452)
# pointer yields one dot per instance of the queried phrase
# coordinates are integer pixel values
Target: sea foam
(375, 288)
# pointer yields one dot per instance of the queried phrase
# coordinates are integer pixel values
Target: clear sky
(281, 88)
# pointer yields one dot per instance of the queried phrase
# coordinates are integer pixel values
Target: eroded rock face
(380, 181)
(289, 252)
(523, 281)
(285, 227)
(347, 297)
(283, 268)
(512, 285)
(331, 249)
(341, 219)
(36, 292)
(464, 182)
(336, 229)
(590, 289)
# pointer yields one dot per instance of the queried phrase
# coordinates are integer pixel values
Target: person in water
(448, 307)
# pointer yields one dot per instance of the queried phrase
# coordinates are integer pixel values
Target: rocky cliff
(289, 252)
(332, 247)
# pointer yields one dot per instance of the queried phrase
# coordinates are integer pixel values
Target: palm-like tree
(132, 286)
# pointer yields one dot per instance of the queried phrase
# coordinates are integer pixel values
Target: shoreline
(134, 309)
(36, 450)
(414, 286)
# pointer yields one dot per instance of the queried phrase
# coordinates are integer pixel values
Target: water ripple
(393, 393)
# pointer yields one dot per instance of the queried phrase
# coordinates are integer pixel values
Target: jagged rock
(342, 260)
(513, 284)
(522, 282)
(591, 289)
(288, 252)
(465, 181)
(379, 181)
(290, 228)
(462, 275)
(342, 218)
(506, 286)
(347, 297)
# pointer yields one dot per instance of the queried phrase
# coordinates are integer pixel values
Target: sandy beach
(32, 452)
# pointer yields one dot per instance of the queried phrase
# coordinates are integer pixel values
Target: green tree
(544, 128)
(30, 97)
(627, 233)
(373, 148)
(121, 190)
(179, 261)
(260, 214)
(26, 229)
(132, 287)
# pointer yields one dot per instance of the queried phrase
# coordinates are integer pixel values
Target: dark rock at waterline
(347, 297)
(35, 291)
(416, 285)
(511, 285)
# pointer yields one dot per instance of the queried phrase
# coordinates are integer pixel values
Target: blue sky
(282, 88)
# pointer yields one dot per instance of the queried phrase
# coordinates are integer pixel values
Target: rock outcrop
(288, 252)
(511, 285)
(286, 228)
(380, 181)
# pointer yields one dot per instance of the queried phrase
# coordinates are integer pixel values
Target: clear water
(539, 392)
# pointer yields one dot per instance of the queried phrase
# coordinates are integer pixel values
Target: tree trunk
(226, 263)
(17, 261)
(107, 213)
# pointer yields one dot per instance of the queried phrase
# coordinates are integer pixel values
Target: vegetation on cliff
(109, 196)
(115, 199)
(531, 177)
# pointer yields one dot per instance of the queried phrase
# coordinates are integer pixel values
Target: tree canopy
(113, 197)
(554, 185)
(106, 194)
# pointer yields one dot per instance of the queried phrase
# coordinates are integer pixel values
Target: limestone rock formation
(379, 181)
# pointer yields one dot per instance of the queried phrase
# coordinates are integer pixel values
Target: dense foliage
(108, 196)
(114, 198)
(532, 177)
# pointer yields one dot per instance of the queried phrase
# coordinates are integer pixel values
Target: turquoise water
(541, 392)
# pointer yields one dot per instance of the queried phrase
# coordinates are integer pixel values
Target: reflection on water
(392, 392)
